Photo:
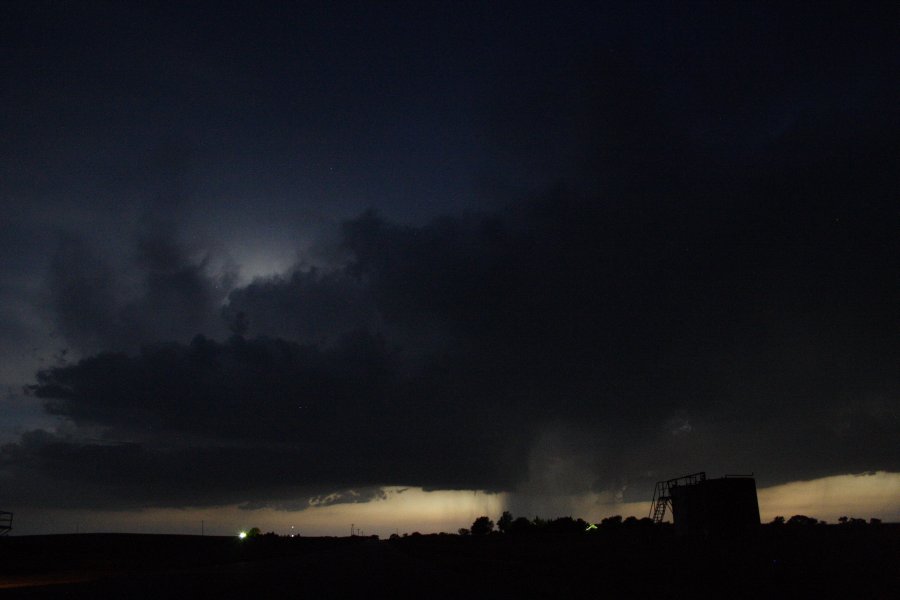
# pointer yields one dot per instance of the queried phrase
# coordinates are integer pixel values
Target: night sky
(284, 257)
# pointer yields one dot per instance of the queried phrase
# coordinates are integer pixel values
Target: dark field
(790, 562)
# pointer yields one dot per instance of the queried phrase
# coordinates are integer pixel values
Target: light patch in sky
(591, 507)
(408, 510)
(863, 496)
(263, 262)
(405, 510)
(263, 245)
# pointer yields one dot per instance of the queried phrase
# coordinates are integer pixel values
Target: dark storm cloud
(155, 291)
(312, 305)
(712, 285)
(572, 329)
(276, 416)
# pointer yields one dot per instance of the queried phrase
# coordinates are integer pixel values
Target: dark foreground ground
(788, 562)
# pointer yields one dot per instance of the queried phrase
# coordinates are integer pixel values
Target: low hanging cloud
(566, 346)
(239, 421)
(689, 312)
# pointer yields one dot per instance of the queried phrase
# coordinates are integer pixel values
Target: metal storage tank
(723, 506)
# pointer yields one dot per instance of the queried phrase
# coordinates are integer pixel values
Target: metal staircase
(5, 522)
(658, 508)
(662, 496)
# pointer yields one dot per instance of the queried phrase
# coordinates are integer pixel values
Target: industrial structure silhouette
(724, 506)
(5, 522)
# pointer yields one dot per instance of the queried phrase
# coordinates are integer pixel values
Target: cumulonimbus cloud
(441, 355)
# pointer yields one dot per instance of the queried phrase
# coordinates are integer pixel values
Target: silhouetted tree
(463, 531)
(566, 526)
(482, 526)
(611, 522)
(505, 521)
(520, 525)
(802, 520)
(779, 520)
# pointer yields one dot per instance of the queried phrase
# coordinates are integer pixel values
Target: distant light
(242, 535)
(590, 526)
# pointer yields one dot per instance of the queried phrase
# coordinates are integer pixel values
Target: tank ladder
(5, 522)
(662, 494)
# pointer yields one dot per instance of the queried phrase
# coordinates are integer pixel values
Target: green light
(242, 535)
(590, 526)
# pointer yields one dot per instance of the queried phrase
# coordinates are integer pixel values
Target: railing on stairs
(662, 494)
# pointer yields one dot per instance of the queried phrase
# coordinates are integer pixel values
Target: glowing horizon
(412, 509)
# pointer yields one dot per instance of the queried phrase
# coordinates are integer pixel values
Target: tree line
(507, 524)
